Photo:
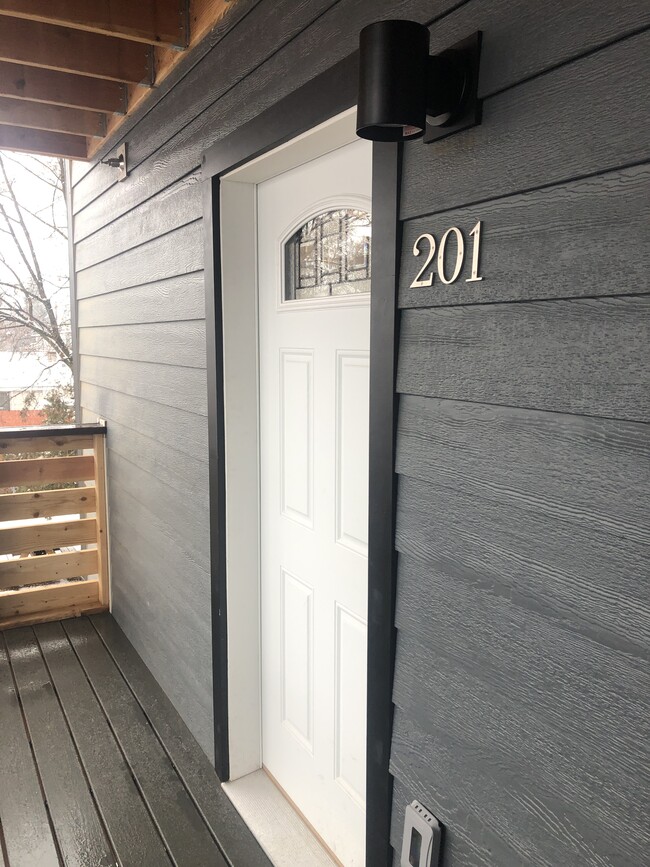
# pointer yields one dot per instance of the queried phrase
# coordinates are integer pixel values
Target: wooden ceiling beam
(56, 118)
(62, 88)
(55, 144)
(65, 50)
(157, 22)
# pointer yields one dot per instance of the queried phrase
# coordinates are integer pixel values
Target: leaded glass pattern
(329, 256)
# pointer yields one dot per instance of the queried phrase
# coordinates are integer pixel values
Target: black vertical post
(74, 332)
(216, 453)
(386, 243)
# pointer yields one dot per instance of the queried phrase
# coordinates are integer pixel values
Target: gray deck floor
(96, 766)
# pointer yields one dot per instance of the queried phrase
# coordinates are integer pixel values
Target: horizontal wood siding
(575, 239)
(173, 299)
(543, 131)
(523, 436)
(521, 676)
(564, 356)
(140, 308)
(175, 343)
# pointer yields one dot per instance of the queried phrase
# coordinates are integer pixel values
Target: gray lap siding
(521, 613)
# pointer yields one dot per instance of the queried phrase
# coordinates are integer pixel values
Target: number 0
(460, 253)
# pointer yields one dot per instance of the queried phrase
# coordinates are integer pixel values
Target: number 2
(417, 283)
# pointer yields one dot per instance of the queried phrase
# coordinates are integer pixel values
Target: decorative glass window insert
(328, 256)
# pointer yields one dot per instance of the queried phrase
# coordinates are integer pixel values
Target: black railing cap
(16, 433)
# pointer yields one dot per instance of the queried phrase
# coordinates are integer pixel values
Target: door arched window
(329, 256)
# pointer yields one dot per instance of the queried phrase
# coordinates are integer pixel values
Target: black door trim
(382, 557)
(322, 98)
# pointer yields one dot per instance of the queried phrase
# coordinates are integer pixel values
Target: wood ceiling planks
(71, 69)
(67, 50)
(32, 84)
(33, 141)
(53, 117)
(157, 22)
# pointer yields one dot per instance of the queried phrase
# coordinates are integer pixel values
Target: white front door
(314, 326)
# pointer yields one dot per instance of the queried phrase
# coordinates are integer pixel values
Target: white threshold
(285, 838)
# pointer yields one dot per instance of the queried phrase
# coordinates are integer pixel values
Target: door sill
(280, 830)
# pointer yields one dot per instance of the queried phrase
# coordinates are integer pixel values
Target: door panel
(352, 419)
(296, 434)
(313, 269)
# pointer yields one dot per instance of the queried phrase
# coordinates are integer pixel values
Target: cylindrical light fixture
(393, 73)
(402, 89)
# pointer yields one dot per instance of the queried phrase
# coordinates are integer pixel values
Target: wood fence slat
(22, 445)
(46, 536)
(31, 605)
(48, 567)
(46, 504)
(101, 518)
(43, 471)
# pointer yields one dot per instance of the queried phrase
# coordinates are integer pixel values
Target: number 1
(476, 235)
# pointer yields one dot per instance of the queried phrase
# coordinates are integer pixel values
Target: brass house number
(427, 242)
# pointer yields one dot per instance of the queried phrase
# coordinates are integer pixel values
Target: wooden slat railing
(55, 569)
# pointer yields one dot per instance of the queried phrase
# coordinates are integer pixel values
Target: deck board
(96, 766)
(25, 823)
(189, 760)
(184, 832)
(79, 831)
(127, 820)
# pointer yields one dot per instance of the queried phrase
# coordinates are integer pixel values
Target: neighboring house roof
(21, 418)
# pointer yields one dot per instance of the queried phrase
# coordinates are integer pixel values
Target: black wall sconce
(406, 93)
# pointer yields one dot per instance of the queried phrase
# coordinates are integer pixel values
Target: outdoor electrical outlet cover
(422, 836)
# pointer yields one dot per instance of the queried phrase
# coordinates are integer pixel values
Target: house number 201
(426, 239)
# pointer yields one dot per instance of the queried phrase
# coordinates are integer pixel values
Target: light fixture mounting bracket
(118, 162)
(457, 106)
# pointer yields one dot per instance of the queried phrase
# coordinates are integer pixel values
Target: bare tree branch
(34, 267)
(38, 176)
(26, 289)
(28, 388)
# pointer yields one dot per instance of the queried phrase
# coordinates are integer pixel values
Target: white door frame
(241, 426)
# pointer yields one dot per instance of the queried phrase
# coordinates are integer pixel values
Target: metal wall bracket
(466, 55)
(118, 162)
